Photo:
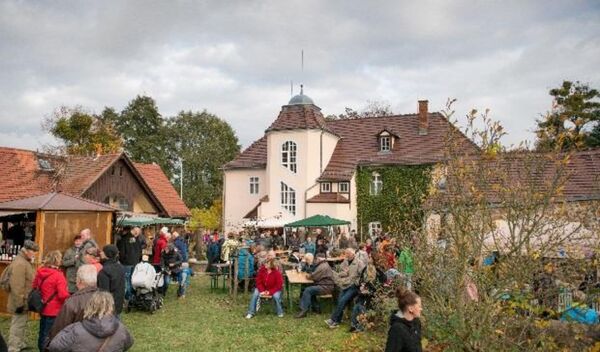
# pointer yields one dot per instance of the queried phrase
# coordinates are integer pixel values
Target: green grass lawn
(206, 321)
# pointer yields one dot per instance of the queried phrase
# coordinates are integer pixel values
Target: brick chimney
(423, 117)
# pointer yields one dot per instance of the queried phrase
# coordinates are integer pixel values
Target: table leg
(287, 291)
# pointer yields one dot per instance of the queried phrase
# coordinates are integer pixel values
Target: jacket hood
(44, 272)
(101, 328)
(398, 317)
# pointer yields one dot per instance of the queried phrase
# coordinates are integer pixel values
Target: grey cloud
(236, 58)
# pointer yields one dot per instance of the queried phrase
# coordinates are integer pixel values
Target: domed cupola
(301, 99)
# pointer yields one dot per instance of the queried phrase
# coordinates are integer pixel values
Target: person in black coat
(404, 334)
(130, 247)
(112, 276)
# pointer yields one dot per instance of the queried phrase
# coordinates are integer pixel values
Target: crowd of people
(83, 291)
(377, 265)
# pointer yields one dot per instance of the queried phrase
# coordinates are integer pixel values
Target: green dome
(301, 99)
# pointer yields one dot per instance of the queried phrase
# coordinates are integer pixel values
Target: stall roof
(318, 221)
(55, 201)
(147, 221)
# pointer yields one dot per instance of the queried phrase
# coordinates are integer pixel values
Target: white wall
(238, 200)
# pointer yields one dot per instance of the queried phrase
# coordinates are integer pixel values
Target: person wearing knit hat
(112, 277)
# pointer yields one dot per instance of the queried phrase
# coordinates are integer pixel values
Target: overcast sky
(236, 58)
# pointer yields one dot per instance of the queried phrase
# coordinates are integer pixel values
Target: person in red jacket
(269, 283)
(52, 283)
(159, 245)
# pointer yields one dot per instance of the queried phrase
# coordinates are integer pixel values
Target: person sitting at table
(372, 278)
(322, 246)
(347, 279)
(306, 264)
(309, 246)
(277, 241)
(293, 242)
(269, 283)
(322, 277)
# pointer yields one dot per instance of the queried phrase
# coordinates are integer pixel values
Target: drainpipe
(321, 153)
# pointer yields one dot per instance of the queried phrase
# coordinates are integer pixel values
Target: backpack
(35, 302)
(5, 279)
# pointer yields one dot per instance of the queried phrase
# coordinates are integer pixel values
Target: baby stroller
(145, 282)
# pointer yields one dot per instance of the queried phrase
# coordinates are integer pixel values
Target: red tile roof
(328, 198)
(294, 117)
(253, 157)
(82, 171)
(163, 190)
(21, 176)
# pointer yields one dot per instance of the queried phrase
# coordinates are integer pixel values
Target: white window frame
(385, 143)
(374, 225)
(376, 184)
(325, 187)
(341, 188)
(289, 156)
(254, 184)
(288, 198)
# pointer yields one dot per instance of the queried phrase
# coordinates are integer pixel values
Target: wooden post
(246, 278)
(235, 277)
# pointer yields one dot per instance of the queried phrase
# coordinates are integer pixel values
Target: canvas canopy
(142, 221)
(318, 221)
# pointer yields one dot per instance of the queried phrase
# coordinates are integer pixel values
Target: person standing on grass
(159, 246)
(269, 282)
(100, 329)
(181, 245)
(404, 334)
(72, 309)
(112, 277)
(347, 279)
(20, 280)
(52, 284)
(171, 262)
(130, 248)
(87, 242)
(71, 262)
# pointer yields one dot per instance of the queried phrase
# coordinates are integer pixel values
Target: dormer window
(344, 187)
(384, 144)
(386, 140)
(45, 165)
(325, 187)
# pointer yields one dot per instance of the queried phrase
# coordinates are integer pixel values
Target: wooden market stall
(51, 220)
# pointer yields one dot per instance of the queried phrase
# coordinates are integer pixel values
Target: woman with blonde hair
(100, 330)
(269, 283)
(52, 284)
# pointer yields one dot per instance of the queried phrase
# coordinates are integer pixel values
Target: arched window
(118, 201)
(288, 198)
(376, 184)
(288, 155)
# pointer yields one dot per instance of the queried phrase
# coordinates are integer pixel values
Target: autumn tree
(205, 143)
(373, 108)
(145, 135)
(84, 133)
(573, 121)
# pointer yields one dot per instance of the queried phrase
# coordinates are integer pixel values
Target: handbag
(35, 303)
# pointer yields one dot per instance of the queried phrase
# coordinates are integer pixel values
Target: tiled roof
(294, 117)
(55, 201)
(21, 176)
(82, 171)
(253, 157)
(359, 145)
(163, 190)
(328, 198)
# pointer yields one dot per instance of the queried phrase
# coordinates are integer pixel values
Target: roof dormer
(386, 139)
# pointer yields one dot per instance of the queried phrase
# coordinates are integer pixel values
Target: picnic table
(293, 277)
(220, 270)
(281, 252)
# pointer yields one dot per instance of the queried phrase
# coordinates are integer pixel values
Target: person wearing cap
(21, 279)
(323, 284)
(171, 262)
(112, 276)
